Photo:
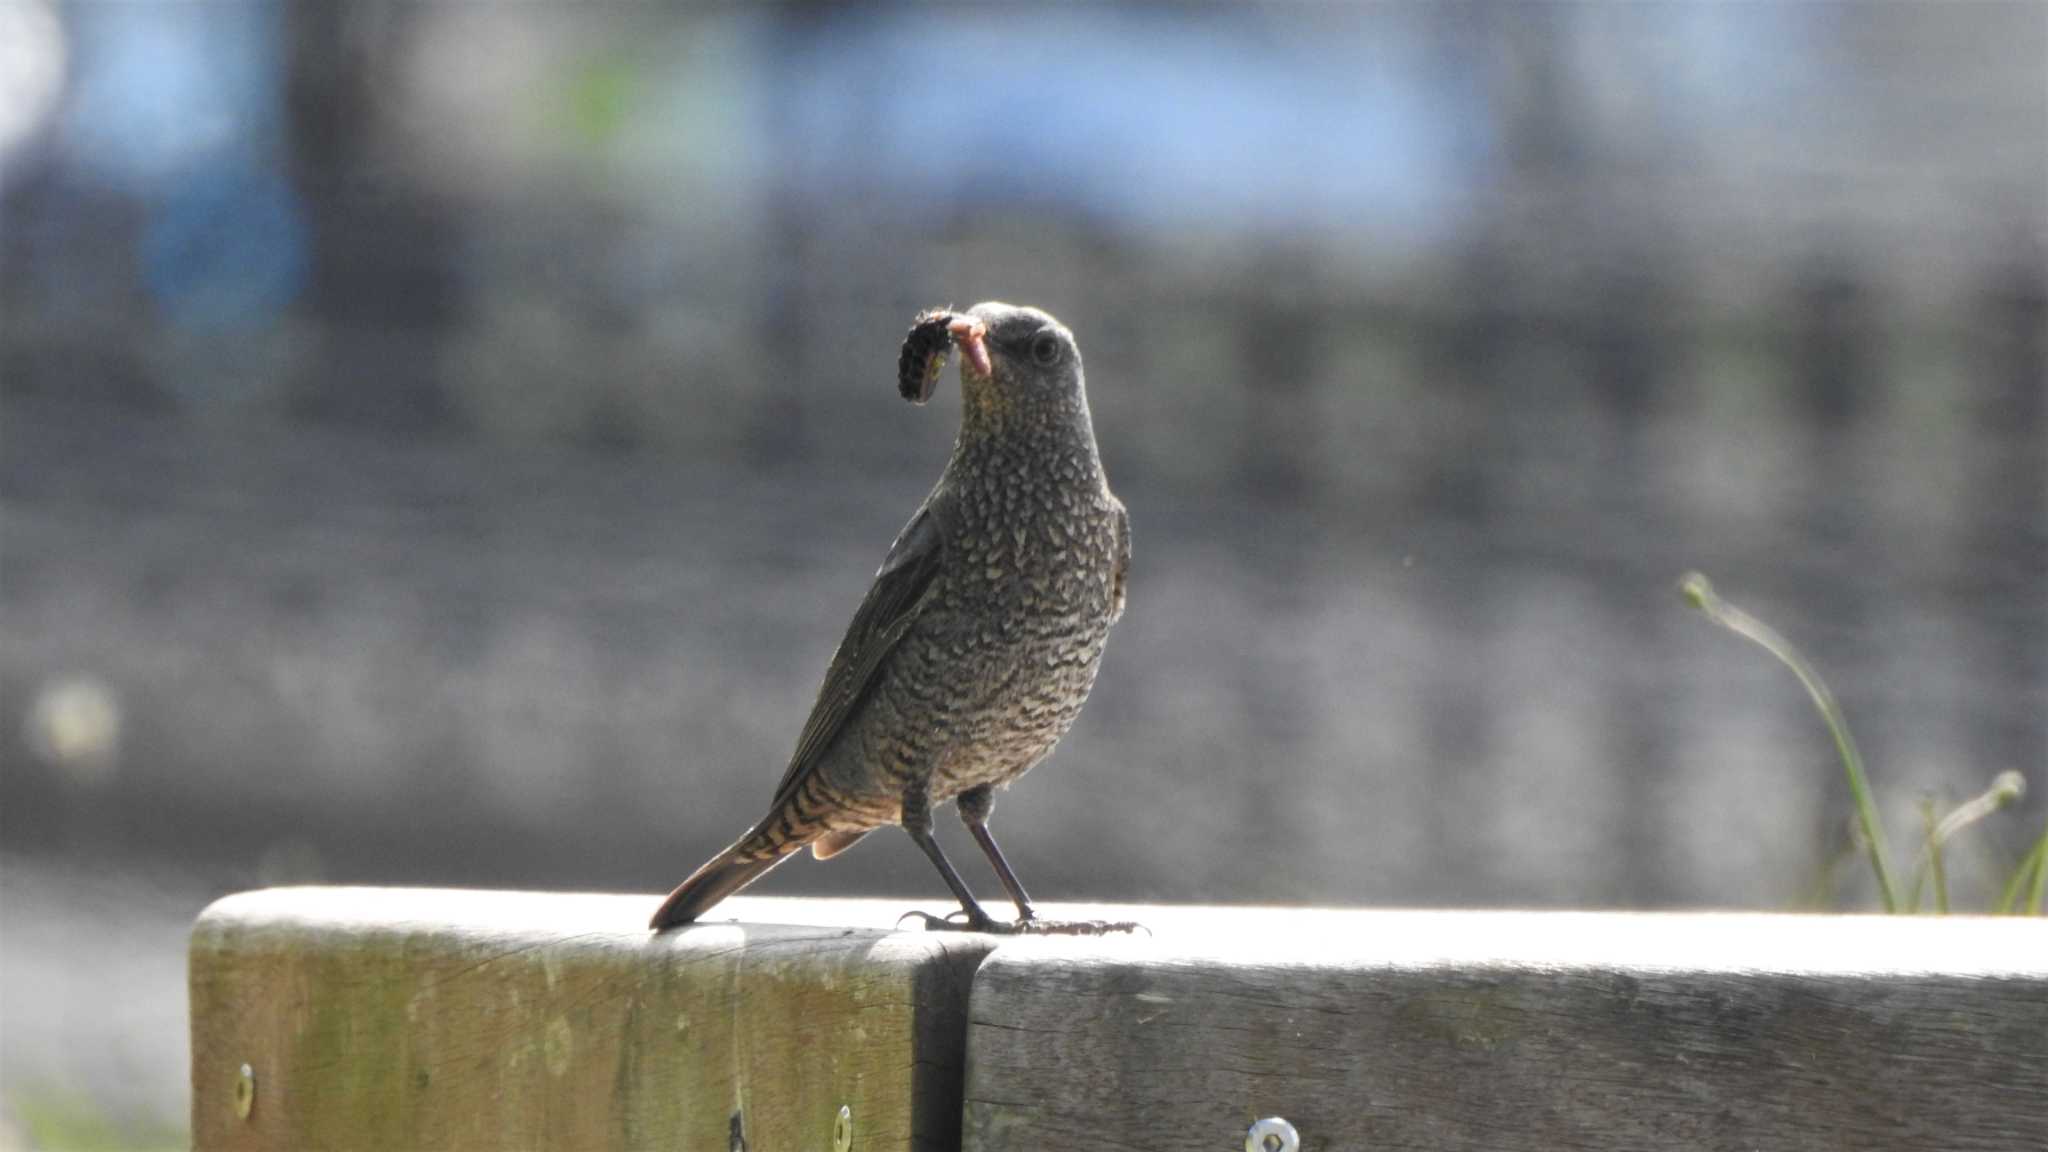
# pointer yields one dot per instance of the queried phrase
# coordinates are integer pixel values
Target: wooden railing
(393, 1019)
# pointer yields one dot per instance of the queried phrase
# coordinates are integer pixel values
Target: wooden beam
(388, 1019)
(395, 1020)
(1514, 1031)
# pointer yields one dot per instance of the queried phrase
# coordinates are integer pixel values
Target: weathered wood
(1502, 1032)
(404, 1019)
(396, 1019)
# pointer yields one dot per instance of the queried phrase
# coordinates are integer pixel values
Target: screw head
(245, 1091)
(1273, 1134)
(842, 1130)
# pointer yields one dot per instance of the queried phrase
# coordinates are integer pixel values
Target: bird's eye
(1045, 349)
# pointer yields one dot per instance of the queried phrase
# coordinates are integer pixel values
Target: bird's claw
(1027, 926)
(1035, 927)
(946, 923)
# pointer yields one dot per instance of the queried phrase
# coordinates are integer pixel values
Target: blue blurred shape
(1152, 118)
(226, 246)
(158, 88)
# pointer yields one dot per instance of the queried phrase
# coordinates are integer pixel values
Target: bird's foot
(956, 921)
(1037, 927)
(1026, 926)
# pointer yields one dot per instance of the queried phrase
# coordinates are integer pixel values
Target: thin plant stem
(2005, 788)
(2040, 873)
(1929, 862)
(1700, 594)
(2031, 867)
(1935, 867)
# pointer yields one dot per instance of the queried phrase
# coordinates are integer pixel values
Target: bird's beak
(970, 335)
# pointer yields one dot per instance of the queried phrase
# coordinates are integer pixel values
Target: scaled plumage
(979, 640)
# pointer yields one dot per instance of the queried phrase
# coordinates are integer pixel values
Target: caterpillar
(924, 354)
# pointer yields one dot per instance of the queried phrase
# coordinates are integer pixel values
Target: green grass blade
(1930, 857)
(2040, 872)
(2005, 788)
(2030, 867)
(1935, 867)
(1701, 595)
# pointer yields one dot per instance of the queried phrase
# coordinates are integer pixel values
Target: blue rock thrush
(979, 641)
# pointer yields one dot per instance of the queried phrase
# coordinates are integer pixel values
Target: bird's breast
(1019, 618)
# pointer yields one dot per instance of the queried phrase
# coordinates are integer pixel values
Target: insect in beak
(925, 348)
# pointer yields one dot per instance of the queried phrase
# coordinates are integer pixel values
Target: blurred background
(443, 442)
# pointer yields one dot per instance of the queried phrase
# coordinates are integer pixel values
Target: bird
(980, 638)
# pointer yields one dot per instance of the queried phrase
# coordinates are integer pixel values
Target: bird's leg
(917, 820)
(975, 805)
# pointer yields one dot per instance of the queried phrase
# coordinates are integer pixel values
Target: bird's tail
(725, 874)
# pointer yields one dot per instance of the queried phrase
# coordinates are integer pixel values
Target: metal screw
(1272, 1134)
(842, 1130)
(245, 1091)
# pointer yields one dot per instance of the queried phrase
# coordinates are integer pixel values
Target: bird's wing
(1118, 579)
(893, 602)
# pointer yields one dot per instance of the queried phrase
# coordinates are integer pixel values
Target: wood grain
(393, 1019)
(407, 1019)
(1513, 1031)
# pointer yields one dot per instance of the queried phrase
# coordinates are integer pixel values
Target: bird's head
(1011, 358)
